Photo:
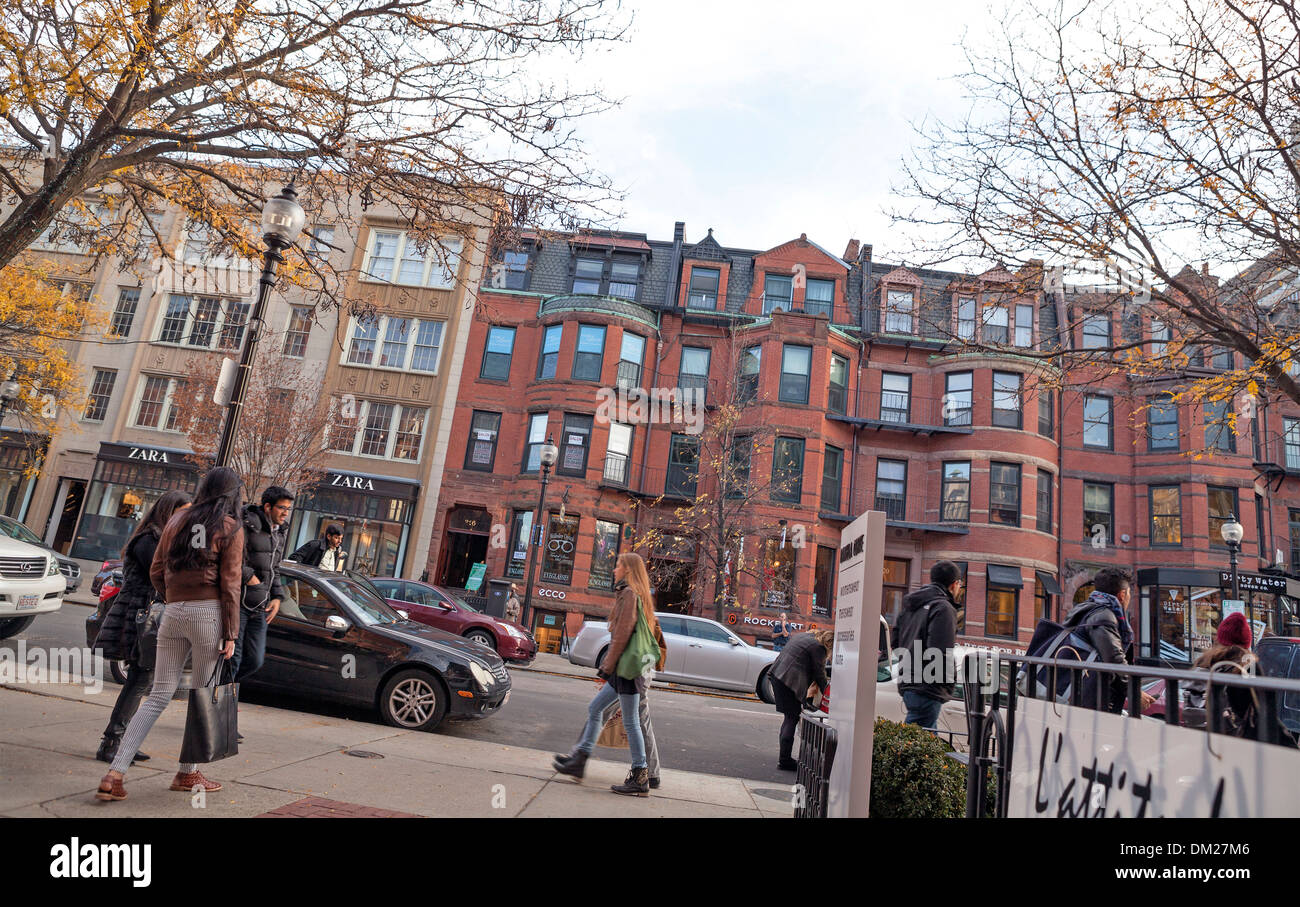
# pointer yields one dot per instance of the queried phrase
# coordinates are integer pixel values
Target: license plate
(28, 602)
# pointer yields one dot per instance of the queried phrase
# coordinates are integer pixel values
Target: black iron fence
(1243, 705)
(817, 741)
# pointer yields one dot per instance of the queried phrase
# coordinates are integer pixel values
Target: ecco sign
(550, 593)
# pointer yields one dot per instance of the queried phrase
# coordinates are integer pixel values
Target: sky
(765, 120)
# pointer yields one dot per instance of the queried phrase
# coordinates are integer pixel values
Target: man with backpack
(1103, 619)
(927, 631)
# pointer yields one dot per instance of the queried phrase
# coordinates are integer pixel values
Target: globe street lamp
(1232, 534)
(550, 453)
(282, 222)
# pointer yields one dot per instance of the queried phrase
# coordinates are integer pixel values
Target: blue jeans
(250, 648)
(630, 704)
(921, 709)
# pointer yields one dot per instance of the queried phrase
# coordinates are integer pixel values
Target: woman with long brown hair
(633, 601)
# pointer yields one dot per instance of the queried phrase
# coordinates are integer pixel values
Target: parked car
(30, 584)
(701, 652)
(70, 569)
(1279, 656)
(438, 607)
(335, 639)
(109, 567)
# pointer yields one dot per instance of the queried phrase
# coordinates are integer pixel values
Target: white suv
(30, 584)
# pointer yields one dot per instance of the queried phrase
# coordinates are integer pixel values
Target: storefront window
(523, 526)
(1000, 613)
(561, 539)
(824, 581)
(603, 554)
(122, 492)
(17, 479)
(374, 513)
(1207, 613)
(1172, 622)
(778, 574)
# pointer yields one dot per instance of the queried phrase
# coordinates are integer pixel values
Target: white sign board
(1073, 762)
(856, 614)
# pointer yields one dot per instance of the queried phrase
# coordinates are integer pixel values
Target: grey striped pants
(647, 730)
(185, 626)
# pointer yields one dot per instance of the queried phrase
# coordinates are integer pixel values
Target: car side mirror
(337, 624)
(734, 641)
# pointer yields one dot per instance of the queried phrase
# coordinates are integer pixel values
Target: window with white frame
(203, 322)
(393, 256)
(618, 453)
(996, 322)
(320, 240)
(898, 311)
(536, 438)
(1024, 326)
(369, 428)
(158, 402)
(391, 341)
(295, 335)
(101, 391)
(966, 318)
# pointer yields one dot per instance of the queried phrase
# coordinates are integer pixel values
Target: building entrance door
(463, 552)
(67, 508)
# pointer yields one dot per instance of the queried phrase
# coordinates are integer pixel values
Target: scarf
(1110, 601)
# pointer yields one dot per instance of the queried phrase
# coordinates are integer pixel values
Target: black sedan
(336, 639)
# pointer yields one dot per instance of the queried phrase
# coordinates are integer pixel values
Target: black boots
(637, 783)
(574, 764)
(107, 751)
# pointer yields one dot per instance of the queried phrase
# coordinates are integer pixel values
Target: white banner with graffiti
(1070, 762)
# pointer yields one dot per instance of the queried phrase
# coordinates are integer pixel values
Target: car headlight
(515, 631)
(53, 568)
(482, 676)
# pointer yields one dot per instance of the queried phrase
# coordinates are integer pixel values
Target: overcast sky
(765, 120)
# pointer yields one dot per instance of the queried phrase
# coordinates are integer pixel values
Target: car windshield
(369, 604)
(18, 531)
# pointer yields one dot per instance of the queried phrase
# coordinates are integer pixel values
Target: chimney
(851, 250)
(679, 231)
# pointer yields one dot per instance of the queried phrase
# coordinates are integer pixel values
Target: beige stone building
(392, 380)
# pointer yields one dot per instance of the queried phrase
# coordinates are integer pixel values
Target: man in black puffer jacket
(927, 631)
(265, 536)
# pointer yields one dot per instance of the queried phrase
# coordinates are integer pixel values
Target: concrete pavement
(299, 764)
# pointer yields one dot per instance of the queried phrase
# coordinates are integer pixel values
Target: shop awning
(1005, 576)
(1050, 585)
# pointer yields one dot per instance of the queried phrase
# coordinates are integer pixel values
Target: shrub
(912, 775)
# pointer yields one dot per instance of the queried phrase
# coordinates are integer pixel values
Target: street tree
(282, 428)
(1109, 145)
(112, 111)
(717, 490)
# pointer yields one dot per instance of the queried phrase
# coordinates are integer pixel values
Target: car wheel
(483, 638)
(15, 625)
(117, 667)
(414, 700)
(600, 659)
(764, 690)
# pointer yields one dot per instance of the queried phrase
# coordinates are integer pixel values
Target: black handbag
(147, 622)
(212, 722)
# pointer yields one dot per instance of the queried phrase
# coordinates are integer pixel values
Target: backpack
(1065, 643)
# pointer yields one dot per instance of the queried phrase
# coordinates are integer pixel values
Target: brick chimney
(851, 250)
(679, 231)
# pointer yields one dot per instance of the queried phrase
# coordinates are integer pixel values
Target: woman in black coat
(118, 635)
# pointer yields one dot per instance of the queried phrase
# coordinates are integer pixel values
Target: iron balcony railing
(910, 412)
(616, 468)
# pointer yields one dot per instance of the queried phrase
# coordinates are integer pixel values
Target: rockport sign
(360, 483)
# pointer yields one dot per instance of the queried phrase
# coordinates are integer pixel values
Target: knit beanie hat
(1234, 631)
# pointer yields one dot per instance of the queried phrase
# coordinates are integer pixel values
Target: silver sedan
(701, 652)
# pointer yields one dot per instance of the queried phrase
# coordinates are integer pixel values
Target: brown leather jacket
(622, 621)
(220, 579)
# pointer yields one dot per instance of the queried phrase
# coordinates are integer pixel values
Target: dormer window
(704, 288)
(898, 311)
(515, 270)
(995, 324)
(819, 297)
(777, 289)
(1096, 331)
(966, 318)
(619, 277)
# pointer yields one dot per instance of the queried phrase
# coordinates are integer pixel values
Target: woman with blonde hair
(633, 603)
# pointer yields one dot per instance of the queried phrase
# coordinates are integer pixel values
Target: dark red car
(440, 608)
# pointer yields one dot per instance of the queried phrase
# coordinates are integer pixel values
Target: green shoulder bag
(642, 649)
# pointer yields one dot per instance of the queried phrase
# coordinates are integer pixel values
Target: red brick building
(862, 400)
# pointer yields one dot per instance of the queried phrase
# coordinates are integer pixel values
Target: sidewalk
(298, 764)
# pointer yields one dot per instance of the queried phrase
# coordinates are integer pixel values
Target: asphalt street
(696, 732)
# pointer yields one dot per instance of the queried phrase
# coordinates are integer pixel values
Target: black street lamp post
(282, 222)
(1232, 533)
(549, 454)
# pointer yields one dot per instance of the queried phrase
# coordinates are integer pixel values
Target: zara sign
(360, 483)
